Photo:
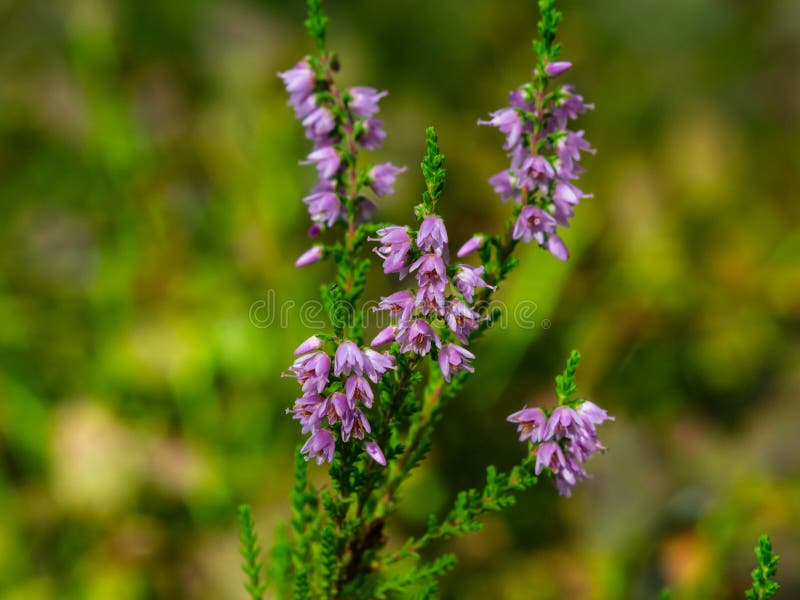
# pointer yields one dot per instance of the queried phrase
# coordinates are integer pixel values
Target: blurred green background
(150, 195)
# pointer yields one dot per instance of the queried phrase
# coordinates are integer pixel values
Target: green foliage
(545, 47)
(302, 584)
(305, 524)
(565, 383)
(499, 492)
(250, 553)
(665, 595)
(763, 586)
(434, 173)
(280, 564)
(317, 23)
(420, 581)
(329, 564)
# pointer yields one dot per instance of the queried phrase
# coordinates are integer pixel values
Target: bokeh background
(150, 195)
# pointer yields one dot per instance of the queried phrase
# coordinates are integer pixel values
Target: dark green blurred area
(150, 195)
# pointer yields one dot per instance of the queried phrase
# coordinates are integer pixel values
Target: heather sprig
(340, 124)
(564, 438)
(763, 585)
(369, 410)
(317, 23)
(565, 383)
(250, 552)
(434, 173)
(544, 153)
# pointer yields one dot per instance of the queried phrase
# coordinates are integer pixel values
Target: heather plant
(369, 409)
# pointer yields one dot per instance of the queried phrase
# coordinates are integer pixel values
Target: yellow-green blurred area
(150, 195)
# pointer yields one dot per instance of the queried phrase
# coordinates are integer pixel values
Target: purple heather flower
(321, 446)
(311, 344)
(416, 336)
(364, 101)
(565, 440)
(568, 477)
(373, 135)
(299, 79)
(565, 196)
(573, 144)
(509, 122)
(430, 297)
(467, 279)
(311, 371)
(430, 269)
(517, 155)
(504, 185)
(584, 444)
(518, 99)
(326, 159)
(556, 247)
(337, 407)
(461, 320)
(432, 277)
(533, 223)
(349, 358)
(569, 107)
(324, 207)
(356, 427)
(358, 389)
(536, 172)
(324, 185)
(568, 193)
(376, 364)
(395, 244)
(531, 423)
(311, 255)
(375, 452)
(432, 235)
(303, 104)
(569, 151)
(454, 358)
(473, 244)
(549, 454)
(400, 305)
(583, 441)
(384, 336)
(558, 67)
(563, 422)
(306, 410)
(314, 230)
(319, 123)
(382, 178)
(589, 411)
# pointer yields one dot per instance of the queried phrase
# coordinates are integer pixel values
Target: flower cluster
(562, 440)
(338, 398)
(443, 292)
(544, 155)
(338, 124)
